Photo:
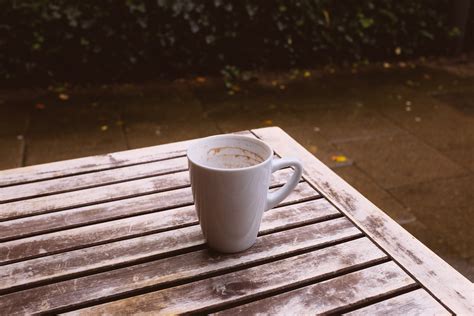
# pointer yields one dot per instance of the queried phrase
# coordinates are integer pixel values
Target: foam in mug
(230, 176)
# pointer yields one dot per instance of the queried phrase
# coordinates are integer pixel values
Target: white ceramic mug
(230, 178)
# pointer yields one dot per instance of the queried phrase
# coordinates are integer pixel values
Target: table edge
(440, 279)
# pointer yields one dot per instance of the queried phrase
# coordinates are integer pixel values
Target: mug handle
(274, 198)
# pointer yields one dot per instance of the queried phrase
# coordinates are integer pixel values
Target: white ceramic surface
(230, 177)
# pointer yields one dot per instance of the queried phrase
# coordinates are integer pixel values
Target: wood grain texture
(124, 251)
(89, 164)
(92, 179)
(90, 196)
(250, 283)
(75, 238)
(105, 193)
(435, 274)
(414, 303)
(43, 223)
(86, 215)
(199, 264)
(331, 296)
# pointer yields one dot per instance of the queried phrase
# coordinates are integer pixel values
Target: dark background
(132, 40)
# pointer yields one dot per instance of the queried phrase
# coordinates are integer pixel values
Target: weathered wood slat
(22, 227)
(93, 179)
(165, 272)
(414, 303)
(96, 163)
(133, 226)
(435, 274)
(120, 252)
(218, 291)
(106, 193)
(333, 295)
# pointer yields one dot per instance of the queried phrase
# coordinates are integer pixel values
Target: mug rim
(198, 142)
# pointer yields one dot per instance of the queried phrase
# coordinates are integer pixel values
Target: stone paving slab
(42, 149)
(11, 152)
(319, 146)
(399, 160)
(438, 124)
(73, 131)
(445, 213)
(14, 118)
(377, 195)
(349, 123)
(143, 134)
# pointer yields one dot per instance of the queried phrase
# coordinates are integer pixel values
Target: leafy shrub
(41, 40)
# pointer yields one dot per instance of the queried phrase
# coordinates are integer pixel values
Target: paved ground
(407, 133)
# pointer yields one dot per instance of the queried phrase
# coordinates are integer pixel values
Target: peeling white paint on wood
(250, 283)
(110, 254)
(414, 303)
(92, 234)
(200, 263)
(330, 296)
(93, 179)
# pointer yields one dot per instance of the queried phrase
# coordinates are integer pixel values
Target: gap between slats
(253, 283)
(304, 298)
(91, 235)
(127, 207)
(95, 179)
(176, 277)
(416, 302)
(148, 247)
(178, 154)
(106, 193)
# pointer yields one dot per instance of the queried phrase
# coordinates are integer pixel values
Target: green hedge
(91, 40)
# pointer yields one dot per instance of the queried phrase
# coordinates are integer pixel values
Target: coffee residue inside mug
(232, 157)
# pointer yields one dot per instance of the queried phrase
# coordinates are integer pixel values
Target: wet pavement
(404, 137)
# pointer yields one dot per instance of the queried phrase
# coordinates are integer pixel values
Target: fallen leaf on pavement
(201, 79)
(40, 106)
(339, 158)
(268, 122)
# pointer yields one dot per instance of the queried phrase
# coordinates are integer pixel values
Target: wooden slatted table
(118, 234)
